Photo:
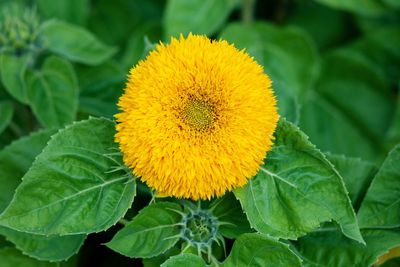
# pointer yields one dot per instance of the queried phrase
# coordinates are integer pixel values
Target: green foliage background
(328, 194)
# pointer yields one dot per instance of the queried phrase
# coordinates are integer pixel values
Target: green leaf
(380, 47)
(75, 43)
(331, 249)
(338, 117)
(284, 53)
(72, 187)
(357, 175)
(50, 248)
(392, 3)
(258, 250)
(160, 259)
(11, 257)
(381, 205)
(366, 7)
(15, 160)
(393, 134)
(153, 231)
(184, 260)
(296, 189)
(74, 11)
(336, 23)
(56, 85)
(115, 20)
(101, 87)
(138, 44)
(228, 210)
(6, 113)
(12, 71)
(196, 16)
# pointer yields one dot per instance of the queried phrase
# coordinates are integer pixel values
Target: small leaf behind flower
(229, 212)
(150, 233)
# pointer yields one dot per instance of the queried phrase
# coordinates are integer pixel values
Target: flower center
(199, 114)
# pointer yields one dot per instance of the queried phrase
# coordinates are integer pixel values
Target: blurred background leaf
(283, 52)
(196, 16)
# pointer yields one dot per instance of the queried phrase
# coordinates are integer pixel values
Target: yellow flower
(197, 118)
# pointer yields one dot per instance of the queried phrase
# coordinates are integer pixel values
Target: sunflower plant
(199, 133)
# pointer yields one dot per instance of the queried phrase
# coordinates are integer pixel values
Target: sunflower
(197, 118)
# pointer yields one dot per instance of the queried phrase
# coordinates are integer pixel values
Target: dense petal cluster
(197, 118)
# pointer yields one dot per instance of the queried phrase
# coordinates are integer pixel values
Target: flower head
(197, 118)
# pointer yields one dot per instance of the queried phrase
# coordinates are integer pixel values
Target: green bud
(18, 29)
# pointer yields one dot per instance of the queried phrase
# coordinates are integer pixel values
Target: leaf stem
(123, 221)
(248, 11)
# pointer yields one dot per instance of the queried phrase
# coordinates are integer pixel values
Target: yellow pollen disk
(199, 115)
(196, 119)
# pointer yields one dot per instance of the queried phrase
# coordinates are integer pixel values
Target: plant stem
(123, 221)
(248, 11)
(16, 129)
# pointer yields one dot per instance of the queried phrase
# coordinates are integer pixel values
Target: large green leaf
(331, 249)
(74, 11)
(338, 116)
(365, 7)
(12, 71)
(11, 257)
(75, 43)
(6, 113)
(228, 210)
(196, 16)
(357, 175)
(15, 160)
(381, 205)
(296, 190)
(184, 260)
(288, 55)
(251, 250)
(55, 85)
(150, 233)
(72, 186)
(50, 248)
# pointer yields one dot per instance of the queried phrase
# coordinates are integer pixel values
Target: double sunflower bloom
(197, 118)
